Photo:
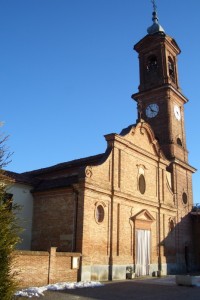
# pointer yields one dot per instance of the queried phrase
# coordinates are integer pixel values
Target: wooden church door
(143, 250)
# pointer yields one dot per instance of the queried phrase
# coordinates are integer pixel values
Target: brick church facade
(130, 206)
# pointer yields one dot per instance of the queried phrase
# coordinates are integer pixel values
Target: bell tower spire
(157, 57)
(156, 27)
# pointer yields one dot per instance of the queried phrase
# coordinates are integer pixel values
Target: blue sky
(68, 70)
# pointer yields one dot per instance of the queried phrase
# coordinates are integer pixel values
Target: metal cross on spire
(154, 5)
(156, 27)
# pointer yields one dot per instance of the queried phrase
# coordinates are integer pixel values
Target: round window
(184, 198)
(99, 213)
(142, 184)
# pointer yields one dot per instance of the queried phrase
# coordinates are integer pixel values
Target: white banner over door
(143, 243)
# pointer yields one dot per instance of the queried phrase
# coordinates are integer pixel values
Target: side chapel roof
(77, 163)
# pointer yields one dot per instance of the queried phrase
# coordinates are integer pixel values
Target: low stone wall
(37, 268)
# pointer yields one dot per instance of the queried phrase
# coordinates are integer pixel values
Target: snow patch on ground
(38, 291)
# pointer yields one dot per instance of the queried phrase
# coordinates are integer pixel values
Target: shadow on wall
(181, 248)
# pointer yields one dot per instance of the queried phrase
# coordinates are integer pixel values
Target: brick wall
(37, 268)
(53, 220)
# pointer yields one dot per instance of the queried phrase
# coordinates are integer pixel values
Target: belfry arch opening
(171, 68)
(152, 63)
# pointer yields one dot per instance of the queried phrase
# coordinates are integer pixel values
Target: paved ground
(136, 289)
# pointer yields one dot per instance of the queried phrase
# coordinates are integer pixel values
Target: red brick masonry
(37, 268)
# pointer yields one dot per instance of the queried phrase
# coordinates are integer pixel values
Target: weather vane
(154, 5)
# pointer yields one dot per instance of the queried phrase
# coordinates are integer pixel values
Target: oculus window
(184, 198)
(99, 213)
(142, 184)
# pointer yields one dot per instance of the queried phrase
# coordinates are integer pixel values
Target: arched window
(171, 224)
(152, 63)
(171, 68)
(179, 142)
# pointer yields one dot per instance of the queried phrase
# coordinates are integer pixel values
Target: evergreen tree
(9, 230)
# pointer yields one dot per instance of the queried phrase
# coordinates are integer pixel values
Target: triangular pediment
(144, 215)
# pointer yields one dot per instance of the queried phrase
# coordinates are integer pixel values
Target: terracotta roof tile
(19, 178)
(48, 184)
(73, 163)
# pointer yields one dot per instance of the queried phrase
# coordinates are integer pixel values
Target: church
(128, 209)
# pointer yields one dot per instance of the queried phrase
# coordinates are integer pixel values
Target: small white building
(20, 191)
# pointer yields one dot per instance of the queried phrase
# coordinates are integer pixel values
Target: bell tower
(160, 98)
(161, 104)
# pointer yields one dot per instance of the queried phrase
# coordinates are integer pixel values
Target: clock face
(152, 110)
(177, 112)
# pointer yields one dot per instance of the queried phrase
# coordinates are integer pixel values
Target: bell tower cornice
(163, 88)
(149, 42)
